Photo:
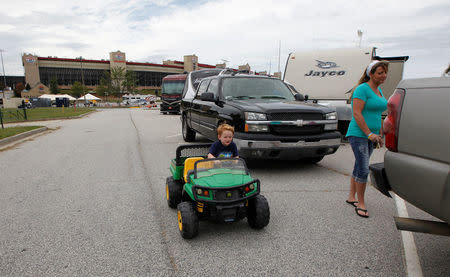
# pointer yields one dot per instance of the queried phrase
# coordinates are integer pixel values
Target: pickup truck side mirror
(207, 96)
(299, 97)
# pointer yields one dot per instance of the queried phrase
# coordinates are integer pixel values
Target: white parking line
(413, 268)
(177, 135)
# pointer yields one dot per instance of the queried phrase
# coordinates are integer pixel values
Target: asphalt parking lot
(88, 198)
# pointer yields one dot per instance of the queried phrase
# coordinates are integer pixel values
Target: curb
(22, 135)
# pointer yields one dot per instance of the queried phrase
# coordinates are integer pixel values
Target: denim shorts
(362, 149)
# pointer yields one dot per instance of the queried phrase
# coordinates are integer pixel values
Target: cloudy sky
(238, 31)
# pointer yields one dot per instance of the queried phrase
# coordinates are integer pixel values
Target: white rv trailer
(329, 76)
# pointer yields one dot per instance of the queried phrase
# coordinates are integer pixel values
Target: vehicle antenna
(279, 53)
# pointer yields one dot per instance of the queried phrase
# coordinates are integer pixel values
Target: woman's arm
(358, 106)
(210, 156)
(381, 135)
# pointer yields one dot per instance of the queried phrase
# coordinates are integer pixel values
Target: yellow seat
(189, 165)
(206, 165)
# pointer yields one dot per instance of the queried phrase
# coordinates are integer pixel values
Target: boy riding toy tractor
(217, 189)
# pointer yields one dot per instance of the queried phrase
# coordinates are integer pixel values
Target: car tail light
(391, 122)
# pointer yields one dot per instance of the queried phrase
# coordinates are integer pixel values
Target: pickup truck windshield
(173, 87)
(255, 88)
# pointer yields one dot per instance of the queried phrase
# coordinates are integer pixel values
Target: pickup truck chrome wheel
(188, 133)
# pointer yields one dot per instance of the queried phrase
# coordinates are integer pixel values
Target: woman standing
(364, 131)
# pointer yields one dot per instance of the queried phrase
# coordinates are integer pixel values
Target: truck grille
(289, 130)
(295, 116)
(295, 130)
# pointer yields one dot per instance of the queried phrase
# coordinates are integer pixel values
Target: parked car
(270, 121)
(417, 163)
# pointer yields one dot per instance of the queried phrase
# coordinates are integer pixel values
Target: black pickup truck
(270, 120)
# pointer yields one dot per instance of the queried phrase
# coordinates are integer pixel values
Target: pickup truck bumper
(269, 147)
(379, 179)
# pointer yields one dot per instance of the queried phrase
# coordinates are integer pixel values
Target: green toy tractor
(220, 189)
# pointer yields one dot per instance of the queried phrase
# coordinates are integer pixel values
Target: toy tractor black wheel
(173, 192)
(187, 220)
(258, 213)
(188, 133)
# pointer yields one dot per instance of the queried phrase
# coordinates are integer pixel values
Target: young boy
(224, 147)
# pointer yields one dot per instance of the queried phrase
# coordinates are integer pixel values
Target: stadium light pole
(4, 76)
(360, 34)
(82, 78)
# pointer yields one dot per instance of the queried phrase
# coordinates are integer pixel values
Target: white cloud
(241, 31)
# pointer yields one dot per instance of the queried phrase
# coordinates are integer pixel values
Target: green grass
(16, 115)
(11, 131)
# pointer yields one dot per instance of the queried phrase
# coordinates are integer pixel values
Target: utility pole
(82, 78)
(4, 76)
(270, 67)
(279, 54)
(360, 33)
(82, 74)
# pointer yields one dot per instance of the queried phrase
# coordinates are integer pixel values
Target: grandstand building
(41, 70)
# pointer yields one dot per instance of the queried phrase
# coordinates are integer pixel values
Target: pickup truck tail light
(391, 122)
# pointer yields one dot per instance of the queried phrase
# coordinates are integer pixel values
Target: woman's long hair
(365, 78)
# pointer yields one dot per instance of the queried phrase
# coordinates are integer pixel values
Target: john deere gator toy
(213, 189)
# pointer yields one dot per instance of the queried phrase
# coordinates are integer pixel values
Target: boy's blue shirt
(218, 150)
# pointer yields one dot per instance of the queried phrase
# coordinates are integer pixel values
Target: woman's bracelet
(369, 135)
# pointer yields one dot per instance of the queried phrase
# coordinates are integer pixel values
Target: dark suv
(270, 120)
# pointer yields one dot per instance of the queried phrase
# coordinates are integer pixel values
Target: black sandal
(362, 210)
(353, 203)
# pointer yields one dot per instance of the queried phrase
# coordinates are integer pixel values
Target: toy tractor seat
(189, 166)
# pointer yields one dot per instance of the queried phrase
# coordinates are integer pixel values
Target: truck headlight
(255, 116)
(331, 116)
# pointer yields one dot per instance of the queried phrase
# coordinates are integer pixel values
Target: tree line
(113, 83)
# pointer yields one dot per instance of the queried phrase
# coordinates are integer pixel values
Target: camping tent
(48, 96)
(54, 96)
(89, 97)
(71, 98)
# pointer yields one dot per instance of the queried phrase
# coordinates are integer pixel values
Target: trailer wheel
(187, 220)
(258, 213)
